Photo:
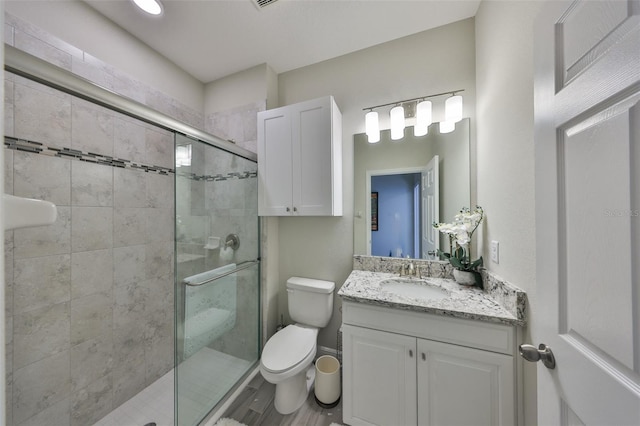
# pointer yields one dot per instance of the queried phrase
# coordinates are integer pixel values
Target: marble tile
(159, 191)
(92, 129)
(42, 177)
(160, 224)
(91, 272)
(56, 414)
(92, 72)
(129, 188)
(8, 273)
(159, 259)
(40, 282)
(91, 185)
(129, 265)
(92, 361)
(9, 32)
(9, 110)
(90, 404)
(36, 47)
(39, 333)
(129, 378)
(45, 240)
(159, 354)
(8, 171)
(129, 140)
(130, 226)
(42, 115)
(42, 35)
(159, 148)
(92, 228)
(128, 87)
(91, 317)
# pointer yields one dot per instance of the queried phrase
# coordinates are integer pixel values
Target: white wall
(430, 62)
(238, 89)
(81, 26)
(505, 156)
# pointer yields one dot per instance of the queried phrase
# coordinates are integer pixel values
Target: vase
(464, 277)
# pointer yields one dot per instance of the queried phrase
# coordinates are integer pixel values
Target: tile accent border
(74, 154)
(509, 296)
(219, 177)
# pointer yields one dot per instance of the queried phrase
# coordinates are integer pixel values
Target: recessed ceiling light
(152, 7)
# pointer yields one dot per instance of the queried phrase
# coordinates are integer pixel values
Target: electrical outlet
(495, 251)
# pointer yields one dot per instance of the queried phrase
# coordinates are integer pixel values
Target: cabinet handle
(424, 357)
(410, 353)
(295, 209)
(288, 209)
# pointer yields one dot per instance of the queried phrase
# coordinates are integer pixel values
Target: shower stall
(141, 303)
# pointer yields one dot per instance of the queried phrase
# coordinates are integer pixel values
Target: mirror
(401, 187)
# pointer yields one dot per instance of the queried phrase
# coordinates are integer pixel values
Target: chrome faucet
(408, 269)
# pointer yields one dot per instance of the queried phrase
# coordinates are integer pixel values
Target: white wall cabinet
(394, 373)
(300, 159)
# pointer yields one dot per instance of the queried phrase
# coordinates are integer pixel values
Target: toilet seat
(288, 348)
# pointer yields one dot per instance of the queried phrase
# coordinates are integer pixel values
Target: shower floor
(207, 375)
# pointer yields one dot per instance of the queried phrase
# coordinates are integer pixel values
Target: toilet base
(291, 393)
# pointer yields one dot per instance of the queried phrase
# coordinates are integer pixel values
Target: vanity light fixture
(397, 122)
(152, 7)
(423, 116)
(372, 126)
(447, 126)
(453, 108)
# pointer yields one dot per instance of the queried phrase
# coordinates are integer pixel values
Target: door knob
(542, 353)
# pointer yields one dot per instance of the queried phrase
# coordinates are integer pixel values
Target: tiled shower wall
(89, 299)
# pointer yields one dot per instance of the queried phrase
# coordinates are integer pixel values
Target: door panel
(587, 88)
(430, 208)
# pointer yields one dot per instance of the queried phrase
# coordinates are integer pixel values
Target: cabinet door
(379, 377)
(464, 386)
(312, 157)
(274, 163)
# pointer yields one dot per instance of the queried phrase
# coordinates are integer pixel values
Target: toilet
(288, 355)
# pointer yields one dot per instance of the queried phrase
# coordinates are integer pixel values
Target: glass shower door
(217, 276)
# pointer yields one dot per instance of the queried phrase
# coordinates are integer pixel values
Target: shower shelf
(26, 212)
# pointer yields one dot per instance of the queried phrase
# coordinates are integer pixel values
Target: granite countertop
(462, 302)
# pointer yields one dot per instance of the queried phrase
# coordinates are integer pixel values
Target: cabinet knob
(410, 353)
(424, 356)
(295, 209)
(288, 209)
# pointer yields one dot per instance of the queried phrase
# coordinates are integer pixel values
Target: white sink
(419, 289)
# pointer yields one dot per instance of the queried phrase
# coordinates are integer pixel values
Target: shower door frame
(32, 68)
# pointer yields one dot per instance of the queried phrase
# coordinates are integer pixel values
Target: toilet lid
(287, 348)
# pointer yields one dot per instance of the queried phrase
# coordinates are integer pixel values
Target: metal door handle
(432, 252)
(542, 353)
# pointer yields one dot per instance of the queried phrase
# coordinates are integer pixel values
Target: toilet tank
(310, 301)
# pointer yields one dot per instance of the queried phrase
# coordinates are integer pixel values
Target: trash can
(327, 386)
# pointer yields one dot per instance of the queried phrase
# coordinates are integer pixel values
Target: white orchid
(460, 232)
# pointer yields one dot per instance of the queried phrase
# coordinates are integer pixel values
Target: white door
(430, 208)
(587, 135)
(379, 383)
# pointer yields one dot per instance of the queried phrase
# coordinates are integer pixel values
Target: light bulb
(397, 122)
(152, 7)
(447, 126)
(423, 118)
(372, 127)
(453, 109)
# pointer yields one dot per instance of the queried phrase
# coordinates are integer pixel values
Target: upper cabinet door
(314, 160)
(274, 163)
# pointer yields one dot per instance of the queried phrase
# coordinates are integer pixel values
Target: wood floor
(254, 407)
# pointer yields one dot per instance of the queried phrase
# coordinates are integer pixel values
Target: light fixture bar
(451, 92)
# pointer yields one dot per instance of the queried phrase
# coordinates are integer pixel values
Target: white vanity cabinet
(300, 159)
(409, 368)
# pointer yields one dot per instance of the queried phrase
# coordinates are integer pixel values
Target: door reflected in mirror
(416, 181)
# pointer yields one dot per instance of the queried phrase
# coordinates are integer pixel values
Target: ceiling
(211, 39)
